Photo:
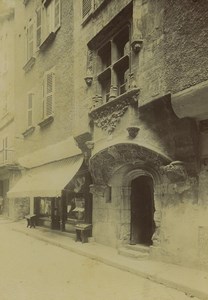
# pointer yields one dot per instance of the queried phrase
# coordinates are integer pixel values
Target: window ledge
(45, 122)
(28, 66)
(49, 39)
(130, 96)
(28, 131)
(7, 118)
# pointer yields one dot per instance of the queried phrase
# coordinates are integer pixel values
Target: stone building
(52, 177)
(145, 72)
(127, 80)
(8, 163)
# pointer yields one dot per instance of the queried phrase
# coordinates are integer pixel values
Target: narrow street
(32, 269)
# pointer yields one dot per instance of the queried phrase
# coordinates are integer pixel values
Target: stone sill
(10, 165)
(7, 118)
(28, 131)
(130, 95)
(46, 121)
(50, 38)
(28, 66)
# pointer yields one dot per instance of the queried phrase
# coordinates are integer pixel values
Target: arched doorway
(142, 210)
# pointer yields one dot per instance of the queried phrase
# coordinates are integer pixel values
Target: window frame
(116, 62)
(48, 18)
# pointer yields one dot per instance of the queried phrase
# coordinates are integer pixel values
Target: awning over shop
(47, 180)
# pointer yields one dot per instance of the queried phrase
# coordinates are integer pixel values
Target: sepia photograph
(104, 149)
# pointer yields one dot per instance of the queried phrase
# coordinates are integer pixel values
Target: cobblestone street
(32, 269)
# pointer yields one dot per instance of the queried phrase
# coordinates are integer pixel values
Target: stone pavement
(192, 282)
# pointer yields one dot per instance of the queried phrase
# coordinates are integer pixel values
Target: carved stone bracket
(108, 115)
(175, 171)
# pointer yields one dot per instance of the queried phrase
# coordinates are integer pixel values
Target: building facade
(127, 80)
(52, 170)
(145, 85)
(8, 163)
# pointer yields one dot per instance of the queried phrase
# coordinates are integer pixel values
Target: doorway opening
(142, 211)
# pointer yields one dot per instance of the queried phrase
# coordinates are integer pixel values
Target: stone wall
(185, 43)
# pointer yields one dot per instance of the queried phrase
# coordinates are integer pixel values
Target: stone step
(138, 247)
(132, 253)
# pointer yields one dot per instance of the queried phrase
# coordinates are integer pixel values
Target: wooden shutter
(30, 41)
(86, 7)
(57, 14)
(5, 149)
(38, 26)
(49, 88)
(30, 110)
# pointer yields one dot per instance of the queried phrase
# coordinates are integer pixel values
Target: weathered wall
(185, 43)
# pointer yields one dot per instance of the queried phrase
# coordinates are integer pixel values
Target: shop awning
(47, 180)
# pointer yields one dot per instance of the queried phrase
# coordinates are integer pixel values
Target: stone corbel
(175, 171)
(98, 189)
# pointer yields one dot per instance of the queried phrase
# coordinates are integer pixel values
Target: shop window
(45, 207)
(76, 209)
(113, 65)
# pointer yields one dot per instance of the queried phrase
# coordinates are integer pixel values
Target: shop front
(57, 190)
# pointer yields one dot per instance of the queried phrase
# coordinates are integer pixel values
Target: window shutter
(86, 7)
(49, 93)
(30, 41)
(30, 110)
(5, 148)
(38, 27)
(57, 14)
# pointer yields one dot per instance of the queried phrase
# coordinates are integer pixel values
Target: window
(38, 26)
(4, 104)
(48, 93)
(48, 20)
(5, 149)
(30, 110)
(113, 65)
(30, 40)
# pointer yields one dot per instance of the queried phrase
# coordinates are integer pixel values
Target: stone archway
(116, 167)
